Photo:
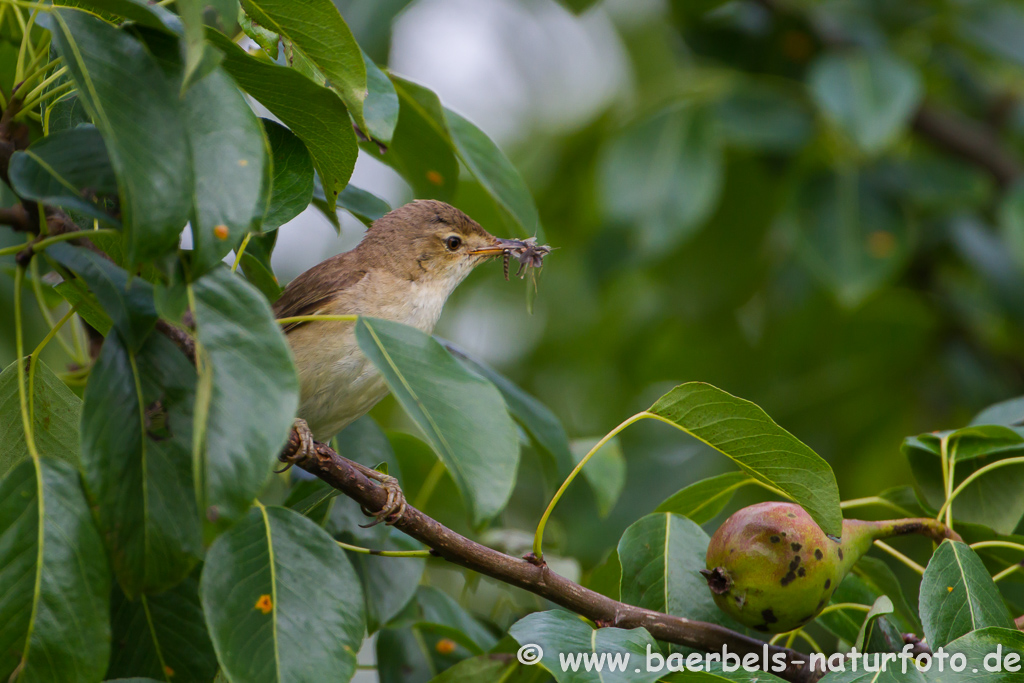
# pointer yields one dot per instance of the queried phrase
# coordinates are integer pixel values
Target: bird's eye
(453, 242)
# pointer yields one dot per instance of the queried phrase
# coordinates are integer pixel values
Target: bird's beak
(499, 247)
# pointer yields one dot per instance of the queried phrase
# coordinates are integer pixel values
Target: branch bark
(339, 473)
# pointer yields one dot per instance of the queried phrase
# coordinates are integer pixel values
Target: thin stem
(315, 318)
(845, 605)
(1006, 572)
(14, 249)
(241, 251)
(900, 556)
(19, 345)
(46, 81)
(538, 536)
(385, 553)
(37, 289)
(944, 460)
(977, 473)
(29, 105)
(64, 236)
(872, 500)
(997, 544)
(34, 360)
(429, 484)
(810, 641)
(949, 490)
(792, 637)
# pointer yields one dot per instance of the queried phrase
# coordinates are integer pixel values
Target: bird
(404, 269)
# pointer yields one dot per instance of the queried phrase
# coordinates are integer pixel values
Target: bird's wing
(310, 291)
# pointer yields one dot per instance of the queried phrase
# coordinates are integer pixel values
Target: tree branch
(339, 473)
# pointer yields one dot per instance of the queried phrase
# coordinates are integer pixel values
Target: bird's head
(430, 239)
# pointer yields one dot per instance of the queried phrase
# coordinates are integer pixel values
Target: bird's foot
(394, 507)
(306, 446)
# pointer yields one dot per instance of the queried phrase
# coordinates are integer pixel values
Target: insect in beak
(499, 247)
(527, 252)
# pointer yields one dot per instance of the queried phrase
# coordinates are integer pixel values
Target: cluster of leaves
(131, 542)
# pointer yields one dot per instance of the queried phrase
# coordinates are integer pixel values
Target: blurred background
(811, 204)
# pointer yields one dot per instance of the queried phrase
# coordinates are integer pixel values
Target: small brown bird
(406, 266)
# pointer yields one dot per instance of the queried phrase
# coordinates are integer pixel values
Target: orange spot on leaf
(445, 646)
(221, 232)
(264, 604)
(435, 177)
(243, 162)
(168, 671)
(949, 588)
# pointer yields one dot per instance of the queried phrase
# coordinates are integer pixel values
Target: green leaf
(438, 613)
(870, 95)
(163, 636)
(247, 397)
(55, 416)
(128, 303)
(312, 112)
(992, 500)
(1011, 225)
(291, 188)
(316, 29)
(663, 176)
(1009, 412)
(993, 648)
(661, 557)
(760, 116)
(703, 500)
(266, 39)
(313, 498)
(557, 632)
(228, 160)
(462, 415)
(268, 621)
(54, 609)
(381, 105)
(489, 669)
(365, 206)
(876, 576)
(534, 417)
(850, 234)
(767, 452)
(138, 468)
(717, 675)
(66, 169)
(958, 595)
(201, 58)
(136, 108)
(389, 583)
(994, 27)
(139, 11)
(87, 307)
(892, 674)
(421, 148)
(496, 174)
(605, 472)
(882, 606)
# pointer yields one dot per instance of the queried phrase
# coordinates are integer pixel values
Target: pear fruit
(772, 568)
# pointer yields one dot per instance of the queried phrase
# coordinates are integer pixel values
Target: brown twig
(539, 579)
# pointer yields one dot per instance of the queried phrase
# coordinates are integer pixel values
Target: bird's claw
(306, 448)
(393, 508)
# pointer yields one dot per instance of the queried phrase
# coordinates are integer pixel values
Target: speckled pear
(770, 566)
